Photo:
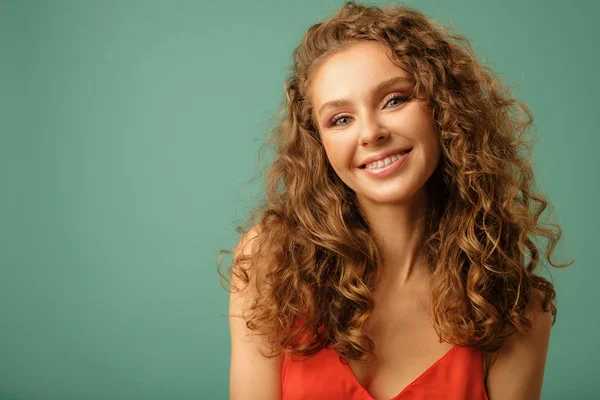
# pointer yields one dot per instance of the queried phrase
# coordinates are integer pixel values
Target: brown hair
(482, 222)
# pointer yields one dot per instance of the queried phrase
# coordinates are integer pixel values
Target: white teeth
(383, 163)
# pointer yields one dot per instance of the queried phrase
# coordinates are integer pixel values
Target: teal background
(129, 134)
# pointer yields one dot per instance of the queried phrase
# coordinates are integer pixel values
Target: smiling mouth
(364, 166)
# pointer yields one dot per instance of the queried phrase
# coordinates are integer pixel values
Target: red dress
(458, 375)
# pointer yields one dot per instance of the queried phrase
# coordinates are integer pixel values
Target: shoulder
(517, 368)
(243, 273)
(246, 242)
(249, 364)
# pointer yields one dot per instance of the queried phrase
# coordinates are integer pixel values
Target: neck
(398, 230)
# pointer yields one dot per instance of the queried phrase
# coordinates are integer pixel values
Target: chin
(388, 198)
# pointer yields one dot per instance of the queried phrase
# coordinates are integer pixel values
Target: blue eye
(397, 97)
(333, 121)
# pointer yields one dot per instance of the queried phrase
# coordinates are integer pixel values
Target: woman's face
(370, 121)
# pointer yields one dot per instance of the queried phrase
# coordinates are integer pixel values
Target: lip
(382, 156)
(390, 169)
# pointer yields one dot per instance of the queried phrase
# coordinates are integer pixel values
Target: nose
(373, 133)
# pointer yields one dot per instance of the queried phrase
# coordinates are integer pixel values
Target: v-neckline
(414, 381)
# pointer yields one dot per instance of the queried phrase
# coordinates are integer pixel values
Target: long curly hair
(482, 224)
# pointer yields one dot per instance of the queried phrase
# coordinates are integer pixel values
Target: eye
(334, 120)
(396, 97)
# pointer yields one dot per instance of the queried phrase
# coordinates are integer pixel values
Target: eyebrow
(380, 86)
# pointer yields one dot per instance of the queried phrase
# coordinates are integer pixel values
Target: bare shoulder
(243, 250)
(248, 365)
(246, 243)
(516, 370)
(243, 289)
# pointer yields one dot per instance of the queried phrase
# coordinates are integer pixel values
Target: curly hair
(482, 223)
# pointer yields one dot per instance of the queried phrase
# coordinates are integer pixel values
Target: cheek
(337, 152)
(340, 156)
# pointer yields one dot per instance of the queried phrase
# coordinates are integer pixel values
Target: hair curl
(483, 217)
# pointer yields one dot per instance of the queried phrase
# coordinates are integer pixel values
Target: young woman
(394, 255)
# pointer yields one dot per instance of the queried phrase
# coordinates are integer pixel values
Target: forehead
(352, 72)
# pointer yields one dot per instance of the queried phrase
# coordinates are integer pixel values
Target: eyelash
(335, 119)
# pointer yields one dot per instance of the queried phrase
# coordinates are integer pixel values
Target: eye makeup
(332, 122)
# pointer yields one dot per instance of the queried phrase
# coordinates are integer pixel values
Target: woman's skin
(367, 124)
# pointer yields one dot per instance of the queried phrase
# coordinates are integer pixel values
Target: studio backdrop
(129, 139)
